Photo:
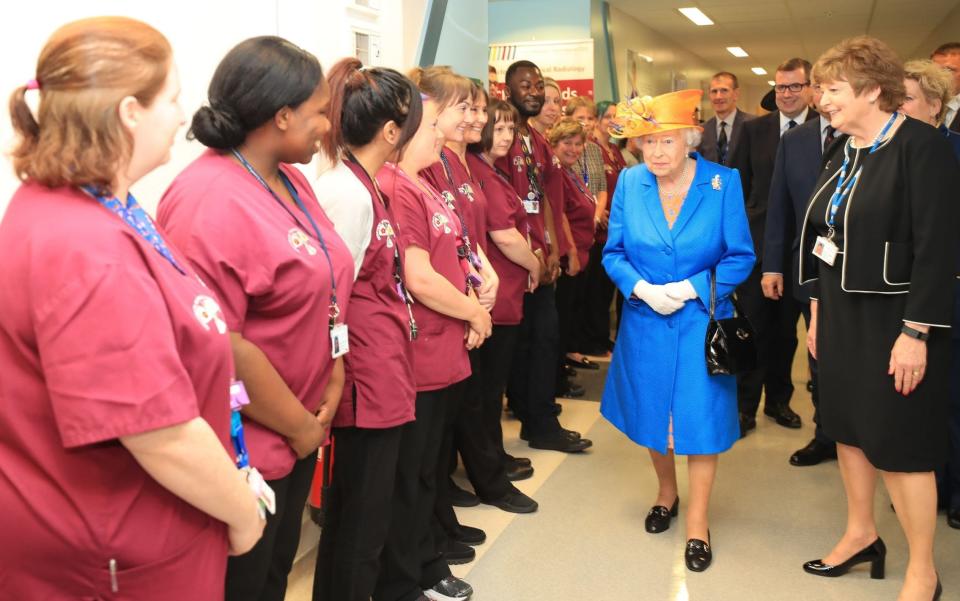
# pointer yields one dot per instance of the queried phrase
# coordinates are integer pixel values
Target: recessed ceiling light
(696, 15)
(737, 51)
(759, 70)
(771, 82)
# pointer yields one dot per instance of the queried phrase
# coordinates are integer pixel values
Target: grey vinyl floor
(588, 542)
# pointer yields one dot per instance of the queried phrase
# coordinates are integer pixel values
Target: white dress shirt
(785, 121)
(952, 107)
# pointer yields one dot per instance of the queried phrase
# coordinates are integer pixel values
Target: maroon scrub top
(504, 212)
(270, 271)
(580, 209)
(469, 198)
(550, 180)
(613, 164)
(101, 337)
(440, 352)
(379, 390)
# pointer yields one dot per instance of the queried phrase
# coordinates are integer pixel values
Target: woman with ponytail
(374, 114)
(450, 321)
(249, 222)
(115, 480)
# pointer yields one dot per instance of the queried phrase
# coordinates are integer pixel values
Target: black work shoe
(658, 518)
(559, 441)
(747, 423)
(572, 435)
(569, 371)
(514, 502)
(571, 390)
(698, 554)
(450, 588)
(953, 518)
(784, 416)
(518, 460)
(458, 553)
(468, 535)
(462, 498)
(517, 472)
(814, 453)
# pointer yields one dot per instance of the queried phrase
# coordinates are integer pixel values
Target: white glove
(682, 291)
(656, 296)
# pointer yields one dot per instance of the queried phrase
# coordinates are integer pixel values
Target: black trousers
(531, 388)
(818, 433)
(409, 556)
(776, 325)
(444, 521)
(357, 513)
(598, 294)
(571, 308)
(477, 431)
(261, 574)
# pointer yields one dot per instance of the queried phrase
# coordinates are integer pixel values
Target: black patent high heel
(875, 553)
(658, 519)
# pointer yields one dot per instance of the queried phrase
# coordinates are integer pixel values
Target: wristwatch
(914, 333)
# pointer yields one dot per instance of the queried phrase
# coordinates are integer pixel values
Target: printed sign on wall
(569, 62)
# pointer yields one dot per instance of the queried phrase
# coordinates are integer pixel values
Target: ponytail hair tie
(33, 84)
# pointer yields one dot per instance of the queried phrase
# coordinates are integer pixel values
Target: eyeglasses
(796, 88)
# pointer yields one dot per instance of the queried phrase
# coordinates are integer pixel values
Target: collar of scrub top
(334, 306)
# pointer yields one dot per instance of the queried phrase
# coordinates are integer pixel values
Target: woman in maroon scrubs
(248, 221)
(115, 480)
(450, 321)
(567, 139)
(374, 112)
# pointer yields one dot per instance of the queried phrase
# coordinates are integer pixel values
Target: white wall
(201, 32)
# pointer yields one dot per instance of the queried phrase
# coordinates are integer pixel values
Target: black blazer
(795, 171)
(901, 223)
(754, 158)
(708, 145)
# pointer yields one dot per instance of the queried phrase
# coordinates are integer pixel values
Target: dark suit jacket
(754, 157)
(708, 145)
(795, 172)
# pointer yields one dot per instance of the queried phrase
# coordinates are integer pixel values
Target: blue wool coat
(658, 367)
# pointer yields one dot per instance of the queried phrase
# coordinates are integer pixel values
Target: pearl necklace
(670, 200)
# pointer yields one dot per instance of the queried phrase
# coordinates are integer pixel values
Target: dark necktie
(791, 124)
(828, 140)
(722, 143)
(955, 124)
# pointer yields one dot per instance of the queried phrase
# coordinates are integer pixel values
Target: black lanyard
(334, 307)
(397, 266)
(533, 172)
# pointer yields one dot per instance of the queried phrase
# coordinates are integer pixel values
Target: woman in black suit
(878, 243)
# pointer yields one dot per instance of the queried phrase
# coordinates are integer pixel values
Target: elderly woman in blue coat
(677, 221)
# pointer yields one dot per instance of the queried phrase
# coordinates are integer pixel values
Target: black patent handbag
(731, 344)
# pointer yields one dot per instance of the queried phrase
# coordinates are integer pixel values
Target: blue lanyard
(238, 398)
(133, 215)
(576, 181)
(844, 187)
(334, 307)
(586, 174)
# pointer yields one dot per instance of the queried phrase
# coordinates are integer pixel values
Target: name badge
(825, 250)
(238, 395)
(267, 499)
(339, 340)
(532, 207)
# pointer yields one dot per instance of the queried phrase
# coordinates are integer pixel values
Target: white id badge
(532, 207)
(265, 495)
(825, 250)
(339, 341)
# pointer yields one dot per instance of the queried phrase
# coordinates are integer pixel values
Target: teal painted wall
(463, 40)
(530, 20)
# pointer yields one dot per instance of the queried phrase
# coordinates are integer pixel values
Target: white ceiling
(772, 31)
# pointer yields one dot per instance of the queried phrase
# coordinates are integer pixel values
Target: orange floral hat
(643, 116)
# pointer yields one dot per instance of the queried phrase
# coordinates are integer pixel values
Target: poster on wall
(569, 62)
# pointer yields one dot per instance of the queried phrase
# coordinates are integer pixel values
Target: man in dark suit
(774, 320)
(948, 57)
(794, 176)
(722, 132)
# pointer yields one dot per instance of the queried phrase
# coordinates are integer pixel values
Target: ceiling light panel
(696, 15)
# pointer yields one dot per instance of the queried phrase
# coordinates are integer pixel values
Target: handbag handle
(713, 296)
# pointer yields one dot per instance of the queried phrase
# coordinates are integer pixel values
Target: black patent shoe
(814, 453)
(516, 472)
(953, 518)
(658, 518)
(698, 554)
(876, 554)
(518, 460)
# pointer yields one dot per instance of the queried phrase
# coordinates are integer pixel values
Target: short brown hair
(442, 85)
(497, 110)
(578, 102)
(935, 82)
(796, 63)
(733, 78)
(565, 128)
(85, 69)
(865, 63)
(948, 48)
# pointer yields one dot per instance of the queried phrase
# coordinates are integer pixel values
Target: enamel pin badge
(715, 182)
